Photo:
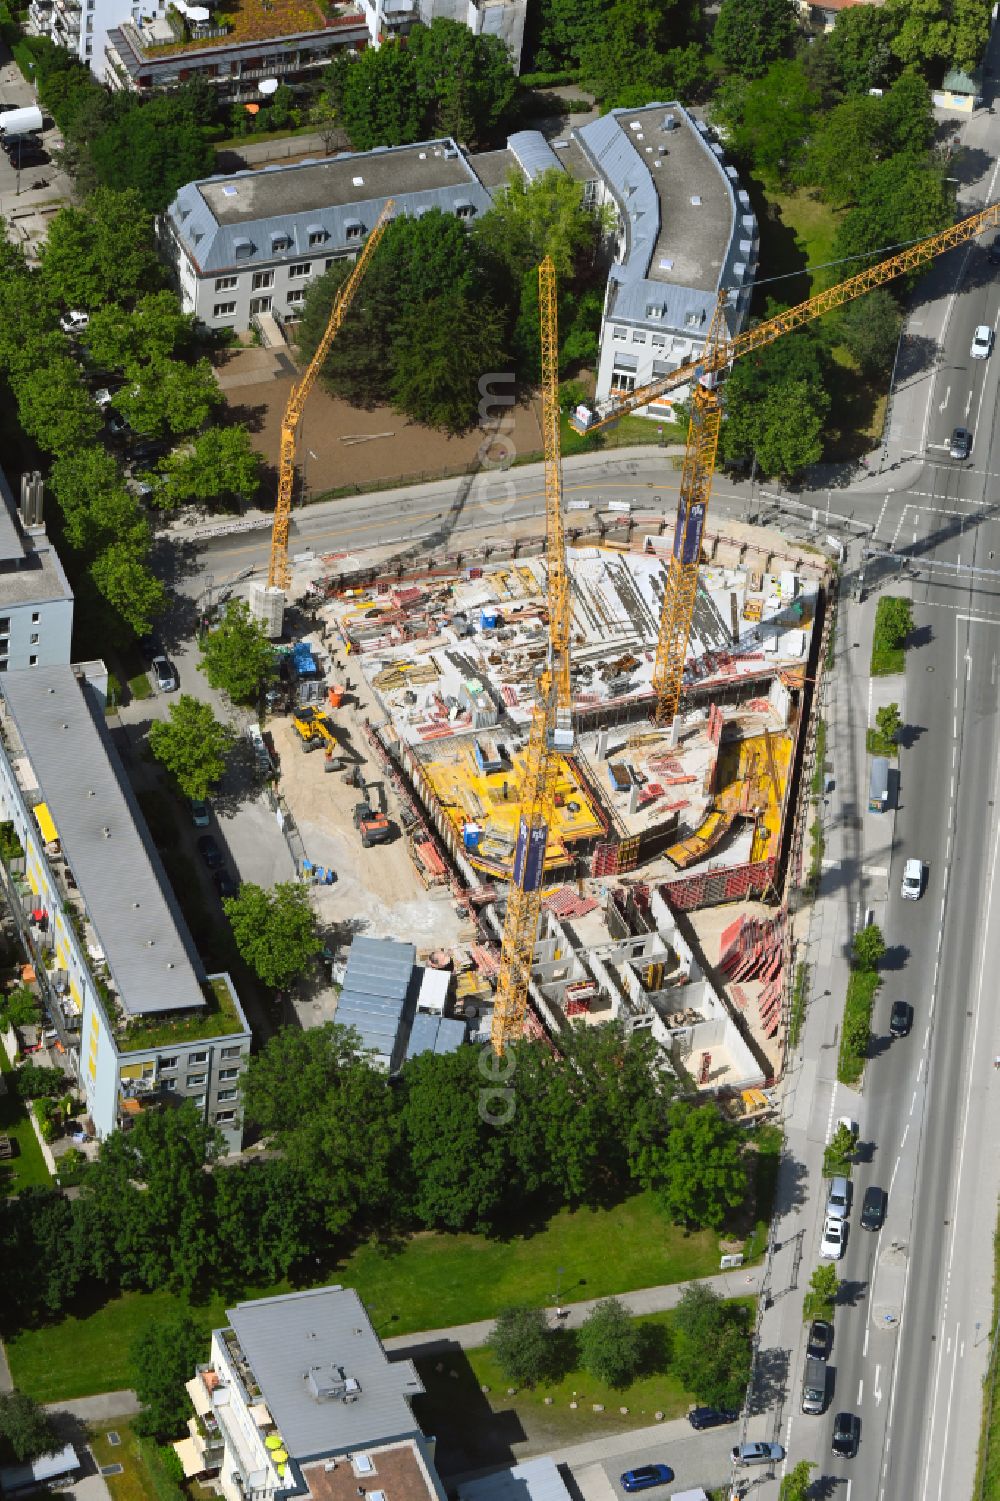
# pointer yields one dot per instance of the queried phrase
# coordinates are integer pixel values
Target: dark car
(873, 1209)
(148, 448)
(820, 1341)
(118, 426)
(900, 1018)
(711, 1417)
(846, 1434)
(646, 1476)
(994, 251)
(960, 445)
(225, 884)
(210, 851)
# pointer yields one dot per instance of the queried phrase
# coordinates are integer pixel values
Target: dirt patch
(344, 445)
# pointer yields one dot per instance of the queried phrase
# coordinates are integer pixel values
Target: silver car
(758, 1454)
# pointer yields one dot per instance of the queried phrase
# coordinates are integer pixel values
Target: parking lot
(697, 1459)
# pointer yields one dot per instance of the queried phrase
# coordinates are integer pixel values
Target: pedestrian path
(743, 1282)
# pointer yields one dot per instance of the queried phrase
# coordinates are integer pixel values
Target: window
(33, 639)
(329, 262)
(224, 310)
(317, 237)
(198, 1102)
(620, 333)
(35, 617)
(198, 1058)
(297, 294)
(4, 648)
(637, 337)
(227, 1094)
(262, 279)
(4, 625)
(226, 283)
(230, 1052)
(89, 49)
(465, 210)
(166, 1064)
(659, 340)
(32, 661)
(196, 1081)
(301, 268)
(3, 664)
(260, 304)
(229, 1073)
(354, 229)
(223, 1117)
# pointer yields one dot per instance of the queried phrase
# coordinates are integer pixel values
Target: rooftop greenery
(220, 1018)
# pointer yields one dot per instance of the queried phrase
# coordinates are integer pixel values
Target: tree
(121, 575)
(19, 1008)
(95, 505)
(523, 1345)
(443, 350)
(192, 745)
(843, 150)
(888, 722)
(237, 657)
(777, 403)
(265, 1221)
(770, 119)
(166, 397)
(155, 329)
(611, 1343)
(795, 1485)
(861, 43)
(323, 1104)
(467, 82)
(711, 1347)
(561, 31)
(275, 931)
(163, 1358)
(44, 1255)
(870, 327)
(932, 34)
(219, 466)
(152, 149)
(868, 947)
(824, 1286)
(703, 1166)
(838, 1154)
(26, 1430)
(55, 409)
(377, 97)
(750, 34)
(531, 220)
(903, 198)
(637, 52)
(102, 251)
(894, 620)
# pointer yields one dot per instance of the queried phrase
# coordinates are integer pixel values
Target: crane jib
(529, 856)
(688, 532)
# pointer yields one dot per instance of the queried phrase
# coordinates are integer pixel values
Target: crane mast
(703, 431)
(279, 572)
(551, 723)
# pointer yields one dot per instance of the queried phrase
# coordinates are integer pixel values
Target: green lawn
(799, 234)
(27, 1169)
(143, 1477)
(430, 1282)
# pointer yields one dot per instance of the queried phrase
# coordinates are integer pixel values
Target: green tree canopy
(319, 1100)
(611, 1343)
(153, 149)
(55, 408)
(795, 1485)
(531, 220)
(443, 350)
(824, 1286)
(750, 34)
(122, 577)
(155, 329)
(702, 1166)
(217, 467)
(95, 505)
(236, 656)
(558, 31)
(192, 745)
(638, 52)
(102, 251)
(935, 35)
(275, 931)
(523, 1345)
(26, 1430)
(770, 119)
(777, 403)
(870, 327)
(904, 198)
(166, 398)
(711, 1347)
(868, 947)
(861, 43)
(266, 1221)
(163, 1358)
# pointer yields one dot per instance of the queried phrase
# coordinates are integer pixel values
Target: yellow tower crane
(551, 722)
(279, 572)
(703, 432)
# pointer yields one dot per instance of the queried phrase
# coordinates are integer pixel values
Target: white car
(74, 322)
(166, 677)
(103, 397)
(834, 1236)
(982, 342)
(913, 880)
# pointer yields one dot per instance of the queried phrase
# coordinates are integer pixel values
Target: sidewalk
(744, 1282)
(98, 1409)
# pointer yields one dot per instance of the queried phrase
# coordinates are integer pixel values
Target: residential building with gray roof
(36, 601)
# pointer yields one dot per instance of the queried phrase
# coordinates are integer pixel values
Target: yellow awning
(48, 828)
(200, 1400)
(190, 1459)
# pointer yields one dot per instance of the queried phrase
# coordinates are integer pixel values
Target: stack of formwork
(752, 949)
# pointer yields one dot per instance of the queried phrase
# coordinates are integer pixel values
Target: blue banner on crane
(687, 533)
(529, 856)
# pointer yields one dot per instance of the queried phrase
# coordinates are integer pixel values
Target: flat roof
(333, 182)
(104, 838)
(295, 1342)
(535, 1480)
(399, 1471)
(11, 539)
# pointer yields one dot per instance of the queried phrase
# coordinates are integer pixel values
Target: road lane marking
(947, 1416)
(861, 1391)
(864, 1352)
(877, 1393)
(944, 403)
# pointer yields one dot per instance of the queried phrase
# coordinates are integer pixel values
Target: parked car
(982, 342)
(873, 1208)
(711, 1417)
(166, 677)
(960, 445)
(820, 1341)
(74, 322)
(209, 851)
(846, 1434)
(118, 426)
(834, 1237)
(913, 880)
(150, 647)
(900, 1018)
(838, 1203)
(199, 813)
(646, 1476)
(758, 1454)
(226, 885)
(103, 397)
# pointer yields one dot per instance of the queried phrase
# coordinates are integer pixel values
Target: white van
(620, 507)
(578, 505)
